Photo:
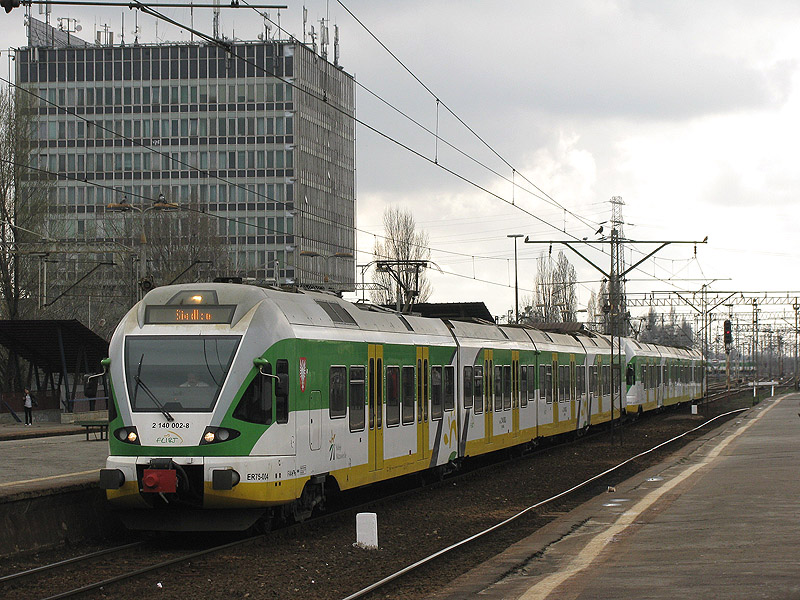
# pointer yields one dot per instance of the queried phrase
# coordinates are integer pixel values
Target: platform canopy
(50, 354)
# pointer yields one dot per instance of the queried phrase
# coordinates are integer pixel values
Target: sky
(689, 111)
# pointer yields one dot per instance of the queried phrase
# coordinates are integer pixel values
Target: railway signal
(728, 335)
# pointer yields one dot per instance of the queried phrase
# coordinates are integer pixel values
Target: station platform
(719, 519)
(19, 431)
(45, 457)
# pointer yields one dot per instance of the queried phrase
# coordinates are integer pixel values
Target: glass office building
(256, 144)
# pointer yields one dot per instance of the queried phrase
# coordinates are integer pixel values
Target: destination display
(206, 314)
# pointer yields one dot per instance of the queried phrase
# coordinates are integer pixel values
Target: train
(233, 405)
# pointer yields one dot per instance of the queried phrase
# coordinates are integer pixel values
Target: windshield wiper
(147, 391)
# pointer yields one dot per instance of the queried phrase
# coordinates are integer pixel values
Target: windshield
(181, 374)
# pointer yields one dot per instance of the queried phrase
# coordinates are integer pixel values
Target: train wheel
(264, 524)
(312, 499)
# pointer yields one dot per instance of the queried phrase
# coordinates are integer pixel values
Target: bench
(98, 428)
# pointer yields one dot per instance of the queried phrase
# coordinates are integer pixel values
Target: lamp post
(314, 253)
(124, 206)
(516, 276)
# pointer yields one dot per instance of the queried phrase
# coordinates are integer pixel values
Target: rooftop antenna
(313, 37)
(122, 33)
(68, 25)
(267, 27)
(136, 29)
(191, 21)
(45, 9)
(336, 45)
(105, 37)
(323, 41)
(216, 20)
(305, 23)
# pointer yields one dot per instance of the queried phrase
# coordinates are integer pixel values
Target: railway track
(132, 563)
(79, 575)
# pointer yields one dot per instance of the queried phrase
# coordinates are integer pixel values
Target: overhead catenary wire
(230, 50)
(438, 100)
(175, 160)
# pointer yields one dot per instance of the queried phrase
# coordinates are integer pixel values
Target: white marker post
(367, 530)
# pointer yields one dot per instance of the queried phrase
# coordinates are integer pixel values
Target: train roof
(312, 309)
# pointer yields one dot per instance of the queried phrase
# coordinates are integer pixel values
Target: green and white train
(235, 403)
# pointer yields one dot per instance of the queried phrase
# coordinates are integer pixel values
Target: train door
(591, 375)
(572, 388)
(515, 393)
(556, 388)
(423, 397)
(598, 380)
(488, 394)
(315, 420)
(375, 404)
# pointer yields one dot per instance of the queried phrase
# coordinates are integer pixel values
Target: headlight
(215, 435)
(129, 435)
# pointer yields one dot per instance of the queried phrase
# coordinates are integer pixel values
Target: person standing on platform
(30, 401)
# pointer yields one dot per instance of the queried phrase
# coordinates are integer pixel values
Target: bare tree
(23, 207)
(405, 244)
(181, 246)
(593, 310)
(554, 298)
(666, 329)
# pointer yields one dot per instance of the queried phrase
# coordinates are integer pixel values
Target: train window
(487, 386)
(523, 386)
(531, 385)
(594, 383)
(425, 391)
(580, 380)
(542, 382)
(572, 381)
(436, 393)
(186, 372)
(468, 387)
(420, 397)
(408, 395)
(337, 392)
(371, 396)
(449, 387)
(506, 387)
(393, 396)
(563, 383)
(256, 403)
(478, 388)
(379, 390)
(498, 388)
(357, 400)
(282, 391)
(606, 380)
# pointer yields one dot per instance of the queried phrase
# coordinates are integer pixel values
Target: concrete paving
(718, 520)
(45, 463)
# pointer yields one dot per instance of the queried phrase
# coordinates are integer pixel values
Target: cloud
(579, 59)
